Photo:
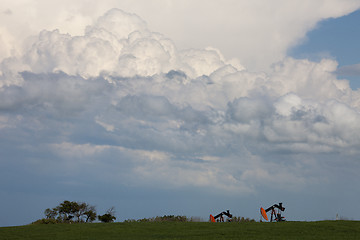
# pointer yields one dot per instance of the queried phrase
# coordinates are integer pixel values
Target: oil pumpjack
(276, 210)
(220, 217)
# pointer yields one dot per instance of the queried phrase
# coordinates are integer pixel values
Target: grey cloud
(176, 75)
(146, 106)
(349, 70)
(126, 91)
(52, 92)
(246, 109)
(154, 108)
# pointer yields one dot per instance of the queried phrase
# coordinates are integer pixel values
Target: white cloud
(124, 99)
(109, 48)
(240, 29)
(119, 23)
(288, 104)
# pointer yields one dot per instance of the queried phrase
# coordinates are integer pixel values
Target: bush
(106, 218)
(242, 219)
(46, 221)
(171, 218)
(109, 216)
(196, 219)
(165, 218)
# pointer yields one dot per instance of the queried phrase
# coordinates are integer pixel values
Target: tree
(79, 211)
(51, 213)
(90, 213)
(108, 216)
(67, 211)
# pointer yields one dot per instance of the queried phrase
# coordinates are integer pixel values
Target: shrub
(106, 218)
(109, 216)
(165, 218)
(46, 221)
(242, 219)
(196, 219)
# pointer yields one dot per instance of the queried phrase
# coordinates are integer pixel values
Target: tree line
(165, 218)
(173, 218)
(75, 212)
(81, 212)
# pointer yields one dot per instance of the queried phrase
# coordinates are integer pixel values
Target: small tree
(108, 216)
(90, 213)
(67, 211)
(51, 213)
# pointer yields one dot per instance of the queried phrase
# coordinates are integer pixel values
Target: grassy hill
(187, 230)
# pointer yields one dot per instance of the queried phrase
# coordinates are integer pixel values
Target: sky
(179, 107)
(342, 35)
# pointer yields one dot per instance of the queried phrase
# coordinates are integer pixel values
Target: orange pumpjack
(276, 215)
(220, 217)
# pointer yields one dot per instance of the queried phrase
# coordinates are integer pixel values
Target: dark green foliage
(66, 211)
(90, 214)
(51, 213)
(171, 218)
(46, 221)
(70, 212)
(242, 219)
(165, 218)
(187, 230)
(108, 216)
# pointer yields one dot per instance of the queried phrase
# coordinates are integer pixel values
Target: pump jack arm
(220, 215)
(275, 206)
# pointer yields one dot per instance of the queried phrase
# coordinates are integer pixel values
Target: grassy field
(188, 230)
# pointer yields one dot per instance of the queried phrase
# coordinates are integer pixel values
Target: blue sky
(182, 108)
(336, 38)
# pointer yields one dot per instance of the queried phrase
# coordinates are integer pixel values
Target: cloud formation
(235, 27)
(349, 70)
(119, 44)
(124, 100)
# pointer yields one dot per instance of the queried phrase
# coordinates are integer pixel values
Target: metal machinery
(220, 217)
(276, 211)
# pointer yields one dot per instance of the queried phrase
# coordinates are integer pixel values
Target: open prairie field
(187, 230)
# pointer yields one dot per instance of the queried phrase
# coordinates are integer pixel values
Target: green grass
(188, 230)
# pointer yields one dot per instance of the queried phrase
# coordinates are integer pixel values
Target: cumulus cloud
(236, 27)
(123, 99)
(118, 43)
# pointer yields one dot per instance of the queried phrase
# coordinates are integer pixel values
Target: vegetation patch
(187, 230)
(75, 212)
